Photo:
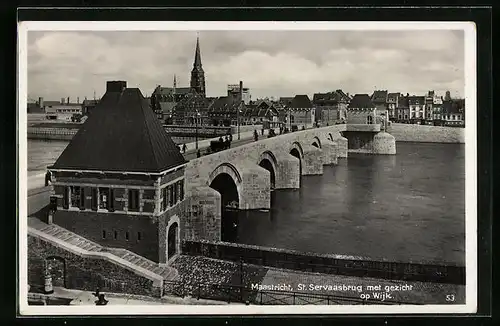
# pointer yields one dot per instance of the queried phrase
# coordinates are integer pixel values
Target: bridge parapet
(363, 127)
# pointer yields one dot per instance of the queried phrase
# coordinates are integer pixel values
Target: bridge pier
(255, 189)
(341, 142)
(287, 174)
(312, 160)
(202, 218)
(329, 149)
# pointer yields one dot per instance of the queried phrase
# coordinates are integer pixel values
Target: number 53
(450, 297)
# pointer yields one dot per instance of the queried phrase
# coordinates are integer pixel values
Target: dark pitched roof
(301, 101)
(361, 101)
(379, 97)
(224, 104)
(90, 102)
(453, 106)
(51, 103)
(393, 95)
(34, 108)
(122, 135)
(403, 102)
(168, 91)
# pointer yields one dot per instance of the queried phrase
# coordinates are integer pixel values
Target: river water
(410, 206)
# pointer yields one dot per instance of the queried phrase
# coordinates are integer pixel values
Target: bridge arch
(226, 180)
(316, 142)
(268, 161)
(297, 151)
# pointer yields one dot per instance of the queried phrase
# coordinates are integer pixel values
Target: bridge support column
(255, 187)
(287, 176)
(313, 161)
(384, 143)
(329, 152)
(342, 144)
(202, 219)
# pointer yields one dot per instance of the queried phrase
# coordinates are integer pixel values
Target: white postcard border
(470, 168)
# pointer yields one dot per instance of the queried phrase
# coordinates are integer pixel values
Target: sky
(270, 63)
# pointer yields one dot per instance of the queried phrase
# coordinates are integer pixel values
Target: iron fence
(243, 294)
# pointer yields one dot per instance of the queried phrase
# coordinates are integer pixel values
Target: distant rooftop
(123, 134)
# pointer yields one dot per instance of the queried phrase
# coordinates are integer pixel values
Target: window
(93, 205)
(116, 235)
(165, 199)
(133, 199)
(104, 198)
(139, 236)
(77, 197)
(104, 234)
(66, 198)
(369, 120)
(126, 235)
(170, 196)
(175, 193)
(181, 189)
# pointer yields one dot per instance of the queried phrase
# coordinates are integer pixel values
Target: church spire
(197, 74)
(197, 54)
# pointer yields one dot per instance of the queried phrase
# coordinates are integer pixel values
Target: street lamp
(196, 127)
(238, 119)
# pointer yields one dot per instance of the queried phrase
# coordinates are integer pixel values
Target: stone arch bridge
(243, 177)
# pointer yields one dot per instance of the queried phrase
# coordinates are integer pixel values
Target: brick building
(361, 110)
(331, 107)
(299, 112)
(120, 181)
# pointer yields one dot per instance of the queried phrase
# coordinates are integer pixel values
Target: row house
(299, 112)
(120, 180)
(191, 110)
(163, 100)
(392, 105)
(225, 111)
(417, 108)
(402, 109)
(380, 100)
(331, 107)
(453, 112)
(262, 112)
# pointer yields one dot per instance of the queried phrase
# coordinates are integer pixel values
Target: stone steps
(87, 245)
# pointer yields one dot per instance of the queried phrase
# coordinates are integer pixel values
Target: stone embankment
(426, 134)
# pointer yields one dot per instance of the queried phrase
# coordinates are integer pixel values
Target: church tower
(197, 74)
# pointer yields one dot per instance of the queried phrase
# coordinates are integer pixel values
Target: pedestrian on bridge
(255, 135)
(184, 147)
(198, 154)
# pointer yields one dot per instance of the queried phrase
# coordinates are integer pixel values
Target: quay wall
(85, 273)
(426, 134)
(327, 263)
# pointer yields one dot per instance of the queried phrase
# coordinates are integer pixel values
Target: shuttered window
(93, 204)
(181, 189)
(133, 199)
(82, 198)
(111, 203)
(66, 198)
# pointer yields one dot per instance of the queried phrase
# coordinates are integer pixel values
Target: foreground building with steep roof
(120, 181)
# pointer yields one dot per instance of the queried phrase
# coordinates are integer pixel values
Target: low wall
(191, 131)
(51, 133)
(84, 273)
(426, 134)
(329, 264)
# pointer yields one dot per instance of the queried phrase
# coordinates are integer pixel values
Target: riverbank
(426, 134)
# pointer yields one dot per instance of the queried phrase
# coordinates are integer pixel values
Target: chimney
(78, 100)
(40, 102)
(241, 91)
(116, 86)
(68, 100)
